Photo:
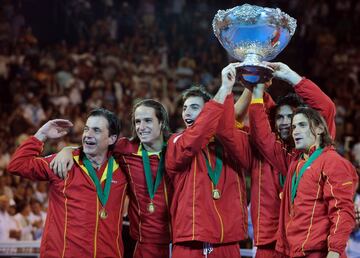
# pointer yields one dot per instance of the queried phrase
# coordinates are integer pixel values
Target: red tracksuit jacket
(322, 215)
(268, 144)
(144, 226)
(265, 200)
(277, 155)
(73, 227)
(196, 216)
(265, 179)
(265, 191)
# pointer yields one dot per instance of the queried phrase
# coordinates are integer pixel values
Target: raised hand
(283, 72)
(228, 76)
(53, 129)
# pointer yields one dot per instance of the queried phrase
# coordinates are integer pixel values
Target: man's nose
(142, 125)
(295, 131)
(286, 120)
(88, 133)
(186, 113)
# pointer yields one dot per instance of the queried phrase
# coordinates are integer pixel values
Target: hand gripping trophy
(253, 34)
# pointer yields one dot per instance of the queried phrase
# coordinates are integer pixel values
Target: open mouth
(297, 139)
(89, 142)
(189, 121)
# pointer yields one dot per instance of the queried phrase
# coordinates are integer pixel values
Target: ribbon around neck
(151, 186)
(296, 179)
(103, 195)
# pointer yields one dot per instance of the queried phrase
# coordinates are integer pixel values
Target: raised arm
(317, 99)
(267, 143)
(242, 105)
(26, 160)
(183, 147)
(63, 162)
(309, 92)
(235, 141)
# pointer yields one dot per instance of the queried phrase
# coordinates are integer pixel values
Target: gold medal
(281, 195)
(151, 207)
(103, 213)
(216, 194)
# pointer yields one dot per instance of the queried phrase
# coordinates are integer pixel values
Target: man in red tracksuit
(149, 212)
(265, 188)
(84, 217)
(308, 224)
(266, 180)
(150, 192)
(282, 141)
(208, 211)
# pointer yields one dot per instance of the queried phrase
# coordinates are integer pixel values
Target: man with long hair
(150, 192)
(319, 186)
(143, 159)
(267, 179)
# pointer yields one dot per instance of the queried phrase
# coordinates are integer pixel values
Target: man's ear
(112, 139)
(319, 130)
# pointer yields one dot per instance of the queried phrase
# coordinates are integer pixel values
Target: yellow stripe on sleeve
(257, 101)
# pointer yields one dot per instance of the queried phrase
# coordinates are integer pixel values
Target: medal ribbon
(147, 169)
(282, 179)
(102, 195)
(296, 179)
(215, 173)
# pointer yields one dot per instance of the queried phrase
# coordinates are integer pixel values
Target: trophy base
(254, 74)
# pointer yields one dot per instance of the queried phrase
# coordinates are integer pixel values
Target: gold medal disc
(216, 194)
(103, 213)
(281, 195)
(151, 207)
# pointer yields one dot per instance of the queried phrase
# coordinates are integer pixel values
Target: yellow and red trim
(135, 194)
(193, 206)
(259, 205)
(66, 216)
(312, 216)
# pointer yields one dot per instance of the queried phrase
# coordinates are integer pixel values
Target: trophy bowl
(253, 34)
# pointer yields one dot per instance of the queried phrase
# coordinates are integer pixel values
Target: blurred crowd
(114, 53)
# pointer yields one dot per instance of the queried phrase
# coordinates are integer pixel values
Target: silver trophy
(253, 34)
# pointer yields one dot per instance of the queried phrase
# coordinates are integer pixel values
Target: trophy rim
(248, 13)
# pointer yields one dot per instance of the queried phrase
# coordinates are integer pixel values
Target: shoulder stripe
(177, 138)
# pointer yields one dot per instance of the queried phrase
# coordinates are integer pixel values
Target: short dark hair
(113, 121)
(196, 91)
(160, 113)
(290, 99)
(316, 120)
